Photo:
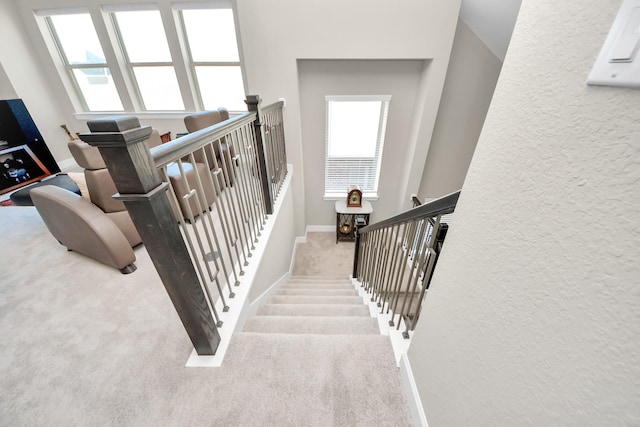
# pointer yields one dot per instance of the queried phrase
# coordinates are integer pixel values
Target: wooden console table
(346, 219)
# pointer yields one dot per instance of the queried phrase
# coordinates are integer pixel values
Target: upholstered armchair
(224, 153)
(97, 226)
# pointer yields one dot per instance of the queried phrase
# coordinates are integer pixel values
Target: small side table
(346, 219)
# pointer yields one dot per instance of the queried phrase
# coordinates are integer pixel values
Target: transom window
(128, 57)
(354, 141)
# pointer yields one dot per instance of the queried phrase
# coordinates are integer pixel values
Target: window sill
(149, 115)
(365, 196)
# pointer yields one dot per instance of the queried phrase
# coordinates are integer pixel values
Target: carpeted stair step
(334, 279)
(314, 299)
(312, 325)
(340, 380)
(319, 292)
(313, 310)
(316, 285)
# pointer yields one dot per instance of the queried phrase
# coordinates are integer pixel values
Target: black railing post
(122, 144)
(356, 255)
(253, 104)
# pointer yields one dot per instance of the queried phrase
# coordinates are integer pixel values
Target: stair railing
(395, 259)
(199, 203)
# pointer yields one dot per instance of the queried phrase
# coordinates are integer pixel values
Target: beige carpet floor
(83, 345)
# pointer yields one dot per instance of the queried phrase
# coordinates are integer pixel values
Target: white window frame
(116, 61)
(65, 68)
(332, 192)
(217, 4)
(112, 10)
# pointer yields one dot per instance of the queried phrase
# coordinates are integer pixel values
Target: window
(75, 38)
(213, 51)
(354, 140)
(164, 56)
(147, 54)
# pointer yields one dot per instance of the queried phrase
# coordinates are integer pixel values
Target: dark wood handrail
(183, 146)
(443, 205)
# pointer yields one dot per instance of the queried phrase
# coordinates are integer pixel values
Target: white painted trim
(398, 343)
(411, 391)
(299, 240)
(251, 309)
(320, 228)
(61, 11)
(383, 98)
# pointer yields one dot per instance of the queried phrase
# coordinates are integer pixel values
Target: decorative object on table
(349, 218)
(346, 228)
(354, 197)
(69, 134)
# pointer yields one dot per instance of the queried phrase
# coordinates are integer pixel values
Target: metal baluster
(420, 234)
(187, 237)
(221, 210)
(409, 235)
(393, 248)
(243, 193)
(248, 174)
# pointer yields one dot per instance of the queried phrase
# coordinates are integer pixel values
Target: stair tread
(313, 310)
(320, 278)
(290, 285)
(314, 299)
(334, 325)
(320, 292)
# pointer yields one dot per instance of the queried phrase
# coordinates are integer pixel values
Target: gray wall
(471, 78)
(276, 260)
(318, 78)
(532, 316)
(277, 34)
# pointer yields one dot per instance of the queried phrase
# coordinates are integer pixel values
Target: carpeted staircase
(308, 305)
(341, 368)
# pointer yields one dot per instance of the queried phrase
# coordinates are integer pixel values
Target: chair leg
(129, 269)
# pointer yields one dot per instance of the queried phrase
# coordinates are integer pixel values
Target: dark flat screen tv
(24, 156)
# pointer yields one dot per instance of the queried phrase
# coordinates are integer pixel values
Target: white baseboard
(299, 240)
(250, 309)
(411, 391)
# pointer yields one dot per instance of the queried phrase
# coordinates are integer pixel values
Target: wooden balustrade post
(122, 144)
(253, 104)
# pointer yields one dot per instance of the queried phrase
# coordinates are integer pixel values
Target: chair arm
(83, 227)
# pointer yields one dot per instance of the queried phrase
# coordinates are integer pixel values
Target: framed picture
(20, 167)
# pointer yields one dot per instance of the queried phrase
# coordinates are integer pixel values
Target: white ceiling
(492, 21)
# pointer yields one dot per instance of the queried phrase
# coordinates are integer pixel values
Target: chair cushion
(85, 155)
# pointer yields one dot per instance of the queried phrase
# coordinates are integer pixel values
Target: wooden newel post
(122, 144)
(253, 104)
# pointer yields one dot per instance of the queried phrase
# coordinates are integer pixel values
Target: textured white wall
(471, 79)
(533, 315)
